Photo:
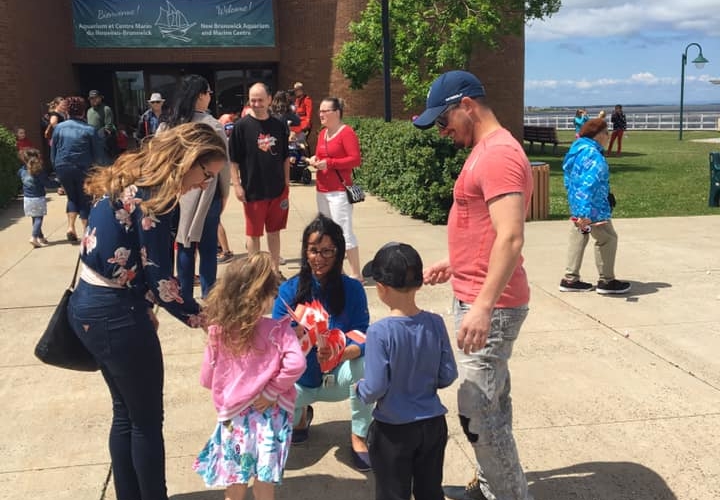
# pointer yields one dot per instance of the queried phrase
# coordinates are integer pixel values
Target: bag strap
(327, 152)
(77, 266)
(342, 181)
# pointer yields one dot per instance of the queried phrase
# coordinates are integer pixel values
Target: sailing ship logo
(173, 23)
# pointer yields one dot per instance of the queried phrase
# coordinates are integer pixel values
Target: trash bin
(540, 201)
(714, 196)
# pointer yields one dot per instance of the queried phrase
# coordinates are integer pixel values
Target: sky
(620, 51)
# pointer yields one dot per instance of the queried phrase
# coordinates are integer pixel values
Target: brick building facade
(39, 60)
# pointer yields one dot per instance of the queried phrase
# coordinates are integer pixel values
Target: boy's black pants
(408, 458)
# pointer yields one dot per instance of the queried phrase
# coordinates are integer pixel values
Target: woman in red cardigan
(336, 154)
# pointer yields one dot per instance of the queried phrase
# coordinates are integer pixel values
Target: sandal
(72, 237)
(360, 460)
(302, 435)
(223, 257)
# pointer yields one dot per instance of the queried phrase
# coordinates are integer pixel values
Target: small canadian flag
(313, 317)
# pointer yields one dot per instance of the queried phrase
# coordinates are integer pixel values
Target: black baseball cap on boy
(397, 265)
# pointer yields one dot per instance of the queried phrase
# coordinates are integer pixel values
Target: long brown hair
(160, 165)
(239, 298)
(32, 159)
(54, 103)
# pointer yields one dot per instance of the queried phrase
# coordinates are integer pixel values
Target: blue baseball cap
(447, 89)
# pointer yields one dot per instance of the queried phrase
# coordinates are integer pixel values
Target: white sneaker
(37, 242)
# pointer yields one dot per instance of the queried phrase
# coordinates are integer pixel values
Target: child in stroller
(299, 171)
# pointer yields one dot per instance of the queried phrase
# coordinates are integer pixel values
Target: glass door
(129, 98)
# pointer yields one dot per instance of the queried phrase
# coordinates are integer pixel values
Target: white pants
(336, 206)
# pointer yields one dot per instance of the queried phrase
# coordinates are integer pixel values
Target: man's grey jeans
(485, 405)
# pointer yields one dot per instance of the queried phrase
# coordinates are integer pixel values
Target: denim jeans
(73, 180)
(485, 405)
(207, 250)
(116, 329)
(346, 374)
(37, 227)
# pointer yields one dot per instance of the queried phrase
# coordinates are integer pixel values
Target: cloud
(638, 79)
(582, 19)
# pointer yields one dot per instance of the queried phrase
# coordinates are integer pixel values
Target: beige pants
(606, 240)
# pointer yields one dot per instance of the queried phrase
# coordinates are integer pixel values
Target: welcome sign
(173, 23)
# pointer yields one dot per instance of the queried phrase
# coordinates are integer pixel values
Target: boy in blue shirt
(408, 357)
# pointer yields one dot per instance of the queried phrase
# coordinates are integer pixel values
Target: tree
(430, 36)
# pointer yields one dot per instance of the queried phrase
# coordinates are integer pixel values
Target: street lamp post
(386, 59)
(699, 62)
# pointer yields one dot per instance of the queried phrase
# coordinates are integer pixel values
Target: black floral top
(135, 250)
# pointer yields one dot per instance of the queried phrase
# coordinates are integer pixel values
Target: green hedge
(411, 169)
(9, 164)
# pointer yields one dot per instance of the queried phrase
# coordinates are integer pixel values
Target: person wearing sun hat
(490, 287)
(151, 119)
(408, 357)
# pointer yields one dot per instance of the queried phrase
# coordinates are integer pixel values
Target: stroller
(299, 171)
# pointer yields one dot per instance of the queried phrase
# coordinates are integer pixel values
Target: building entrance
(126, 88)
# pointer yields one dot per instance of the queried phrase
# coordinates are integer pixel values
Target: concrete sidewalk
(615, 397)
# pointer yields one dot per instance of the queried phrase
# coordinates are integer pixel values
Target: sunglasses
(442, 121)
(208, 91)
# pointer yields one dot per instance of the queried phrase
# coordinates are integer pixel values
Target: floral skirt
(252, 444)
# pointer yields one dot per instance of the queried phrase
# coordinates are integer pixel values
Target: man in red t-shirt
(485, 240)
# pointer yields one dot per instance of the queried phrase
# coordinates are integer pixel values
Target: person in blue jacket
(127, 270)
(587, 181)
(76, 147)
(581, 117)
(321, 278)
(34, 180)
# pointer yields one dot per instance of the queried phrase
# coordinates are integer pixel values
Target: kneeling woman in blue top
(320, 277)
(127, 268)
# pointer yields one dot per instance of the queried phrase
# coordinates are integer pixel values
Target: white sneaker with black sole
(612, 287)
(575, 286)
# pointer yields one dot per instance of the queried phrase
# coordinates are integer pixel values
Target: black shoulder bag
(59, 346)
(355, 193)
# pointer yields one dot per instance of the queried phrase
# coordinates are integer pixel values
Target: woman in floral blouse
(127, 267)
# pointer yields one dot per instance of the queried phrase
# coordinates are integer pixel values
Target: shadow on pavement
(309, 487)
(323, 438)
(12, 213)
(599, 480)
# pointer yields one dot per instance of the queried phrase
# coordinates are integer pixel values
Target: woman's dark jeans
(207, 250)
(116, 328)
(73, 181)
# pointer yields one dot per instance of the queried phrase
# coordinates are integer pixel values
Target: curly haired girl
(251, 364)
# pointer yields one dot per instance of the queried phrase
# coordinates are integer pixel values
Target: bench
(543, 135)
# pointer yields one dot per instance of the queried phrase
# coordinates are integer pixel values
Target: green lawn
(657, 175)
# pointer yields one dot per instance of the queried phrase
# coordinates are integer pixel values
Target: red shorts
(268, 215)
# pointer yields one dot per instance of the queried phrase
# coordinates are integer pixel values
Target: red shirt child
(21, 140)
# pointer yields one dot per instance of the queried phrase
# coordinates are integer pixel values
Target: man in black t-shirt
(261, 171)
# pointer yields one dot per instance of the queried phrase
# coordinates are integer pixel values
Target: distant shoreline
(629, 108)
